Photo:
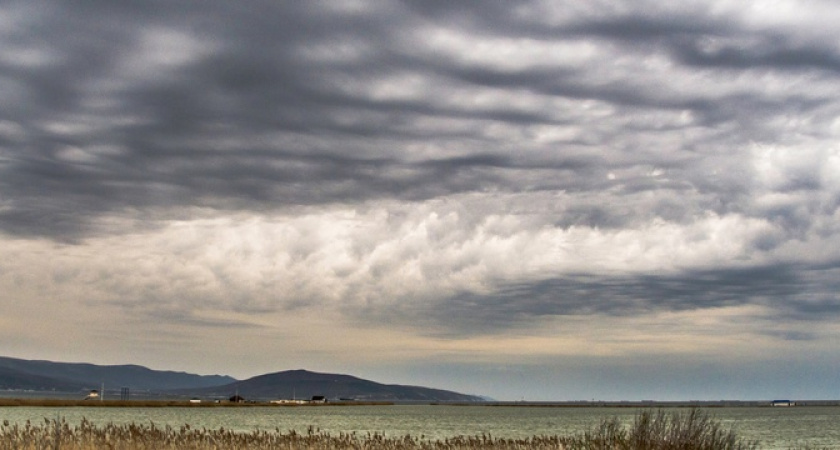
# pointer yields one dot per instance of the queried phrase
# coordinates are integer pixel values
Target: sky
(533, 200)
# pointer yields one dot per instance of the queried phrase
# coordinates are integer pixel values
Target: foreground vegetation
(692, 430)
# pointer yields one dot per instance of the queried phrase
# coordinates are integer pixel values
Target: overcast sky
(521, 199)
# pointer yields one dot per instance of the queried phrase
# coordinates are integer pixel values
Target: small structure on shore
(288, 402)
(783, 403)
(94, 394)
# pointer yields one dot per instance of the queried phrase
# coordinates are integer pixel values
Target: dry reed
(691, 431)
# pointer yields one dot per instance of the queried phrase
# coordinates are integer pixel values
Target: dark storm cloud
(252, 84)
(172, 178)
(248, 73)
(785, 290)
(772, 52)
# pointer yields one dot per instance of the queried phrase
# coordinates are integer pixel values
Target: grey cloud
(206, 132)
(593, 20)
(784, 289)
(639, 28)
(772, 53)
(182, 318)
(792, 335)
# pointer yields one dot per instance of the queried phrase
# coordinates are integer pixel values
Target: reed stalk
(693, 430)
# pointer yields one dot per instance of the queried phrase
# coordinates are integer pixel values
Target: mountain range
(21, 374)
(25, 374)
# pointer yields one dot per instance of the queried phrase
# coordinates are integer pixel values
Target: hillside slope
(21, 374)
(17, 373)
(11, 379)
(303, 384)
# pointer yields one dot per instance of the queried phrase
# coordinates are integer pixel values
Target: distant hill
(303, 384)
(22, 374)
(11, 379)
(48, 375)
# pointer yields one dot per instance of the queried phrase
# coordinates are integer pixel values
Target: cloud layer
(449, 177)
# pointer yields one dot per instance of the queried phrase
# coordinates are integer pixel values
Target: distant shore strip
(151, 403)
(49, 402)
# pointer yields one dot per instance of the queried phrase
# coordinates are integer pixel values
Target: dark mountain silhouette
(48, 375)
(11, 379)
(22, 374)
(303, 384)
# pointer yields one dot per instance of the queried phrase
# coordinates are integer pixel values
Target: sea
(773, 427)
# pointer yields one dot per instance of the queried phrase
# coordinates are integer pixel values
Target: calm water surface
(775, 428)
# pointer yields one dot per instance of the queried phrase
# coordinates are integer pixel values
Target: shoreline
(184, 403)
(54, 402)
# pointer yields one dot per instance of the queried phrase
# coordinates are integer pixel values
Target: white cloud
(386, 254)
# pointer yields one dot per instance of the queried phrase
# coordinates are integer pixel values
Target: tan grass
(651, 431)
